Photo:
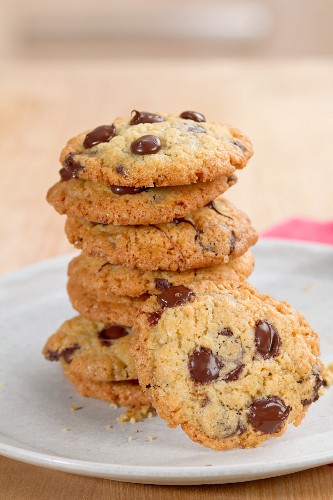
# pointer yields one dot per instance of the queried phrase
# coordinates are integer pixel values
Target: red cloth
(302, 229)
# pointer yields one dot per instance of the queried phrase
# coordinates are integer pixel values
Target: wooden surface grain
(286, 109)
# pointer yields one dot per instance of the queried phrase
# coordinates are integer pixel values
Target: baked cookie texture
(212, 235)
(96, 358)
(110, 309)
(182, 151)
(104, 280)
(229, 365)
(96, 202)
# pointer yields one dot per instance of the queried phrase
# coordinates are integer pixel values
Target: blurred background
(264, 66)
(165, 28)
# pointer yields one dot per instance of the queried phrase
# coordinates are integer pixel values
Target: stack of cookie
(143, 202)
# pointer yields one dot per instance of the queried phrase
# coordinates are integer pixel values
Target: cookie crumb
(150, 439)
(64, 429)
(136, 414)
(130, 439)
(308, 287)
(108, 426)
(113, 405)
(76, 408)
(328, 375)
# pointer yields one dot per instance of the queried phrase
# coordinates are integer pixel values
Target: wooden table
(287, 110)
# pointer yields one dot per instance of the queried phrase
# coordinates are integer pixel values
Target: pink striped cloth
(302, 229)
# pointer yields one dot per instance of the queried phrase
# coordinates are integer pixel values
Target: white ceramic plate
(35, 398)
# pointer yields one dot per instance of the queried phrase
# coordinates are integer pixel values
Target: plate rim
(190, 474)
(161, 474)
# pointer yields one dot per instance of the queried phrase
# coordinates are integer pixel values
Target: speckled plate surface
(36, 399)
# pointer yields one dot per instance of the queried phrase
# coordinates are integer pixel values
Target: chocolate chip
(234, 374)
(65, 175)
(145, 117)
(103, 133)
(195, 129)
(238, 144)
(120, 170)
(71, 165)
(146, 145)
(267, 415)
(232, 180)
(153, 318)
(52, 355)
(267, 339)
(127, 190)
(162, 284)
(112, 332)
(175, 296)
(204, 366)
(316, 387)
(193, 115)
(226, 332)
(66, 354)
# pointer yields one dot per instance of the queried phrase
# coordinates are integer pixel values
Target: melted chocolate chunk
(146, 145)
(226, 332)
(316, 387)
(178, 221)
(162, 284)
(65, 175)
(104, 133)
(232, 242)
(204, 366)
(120, 170)
(193, 115)
(127, 190)
(267, 339)
(212, 206)
(175, 296)
(267, 415)
(71, 165)
(112, 332)
(145, 117)
(145, 296)
(154, 317)
(65, 354)
(234, 374)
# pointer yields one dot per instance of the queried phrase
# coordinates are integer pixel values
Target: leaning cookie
(105, 280)
(229, 365)
(99, 202)
(111, 309)
(212, 235)
(154, 150)
(97, 360)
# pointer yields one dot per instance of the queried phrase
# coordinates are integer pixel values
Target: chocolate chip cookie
(212, 235)
(156, 150)
(97, 360)
(100, 202)
(229, 365)
(113, 308)
(105, 280)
